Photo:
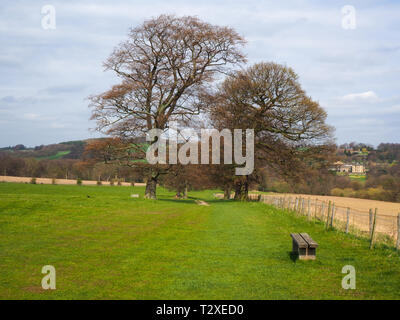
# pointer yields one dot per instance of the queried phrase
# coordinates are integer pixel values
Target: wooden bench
(304, 246)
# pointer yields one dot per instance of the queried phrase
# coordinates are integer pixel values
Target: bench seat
(304, 246)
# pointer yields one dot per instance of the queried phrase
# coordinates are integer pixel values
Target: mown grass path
(106, 245)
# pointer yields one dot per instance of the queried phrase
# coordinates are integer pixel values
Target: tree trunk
(238, 190)
(185, 192)
(227, 192)
(151, 186)
(245, 193)
(242, 190)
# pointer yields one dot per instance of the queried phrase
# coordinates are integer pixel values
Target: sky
(347, 58)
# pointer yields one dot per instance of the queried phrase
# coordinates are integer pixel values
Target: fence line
(377, 227)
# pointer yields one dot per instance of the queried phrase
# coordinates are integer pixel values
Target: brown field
(60, 181)
(384, 208)
(357, 209)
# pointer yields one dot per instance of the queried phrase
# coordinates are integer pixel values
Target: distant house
(358, 168)
(349, 168)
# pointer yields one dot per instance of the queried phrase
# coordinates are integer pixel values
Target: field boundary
(63, 181)
(373, 225)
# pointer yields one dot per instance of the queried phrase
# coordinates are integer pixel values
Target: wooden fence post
(327, 216)
(398, 232)
(322, 210)
(309, 209)
(347, 220)
(373, 230)
(316, 208)
(299, 206)
(333, 214)
(371, 216)
(302, 206)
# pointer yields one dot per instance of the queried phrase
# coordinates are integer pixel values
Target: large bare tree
(268, 98)
(163, 66)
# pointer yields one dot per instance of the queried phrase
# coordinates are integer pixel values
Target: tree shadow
(193, 199)
(293, 256)
(176, 200)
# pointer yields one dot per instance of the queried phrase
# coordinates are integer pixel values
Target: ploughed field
(106, 245)
(363, 205)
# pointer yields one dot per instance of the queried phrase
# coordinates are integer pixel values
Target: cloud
(368, 96)
(63, 89)
(31, 116)
(369, 121)
(57, 125)
(48, 74)
(8, 99)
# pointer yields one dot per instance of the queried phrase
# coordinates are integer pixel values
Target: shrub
(337, 192)
(349, 192)
(356, 185)
(33, 181)
(99, 183)
(346, 192)
(79, 181)
(119, 182)
(111, 182)
(132, 184)
(377, 194)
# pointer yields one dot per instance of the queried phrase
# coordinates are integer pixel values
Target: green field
(106, 245)
(58, 155)
(358, 177)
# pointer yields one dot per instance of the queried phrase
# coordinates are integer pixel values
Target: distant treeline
(382, 181)
(64, 169)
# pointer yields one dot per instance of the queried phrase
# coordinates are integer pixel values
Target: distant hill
(63, 150)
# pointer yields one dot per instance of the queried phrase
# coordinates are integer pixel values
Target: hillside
(63, 150)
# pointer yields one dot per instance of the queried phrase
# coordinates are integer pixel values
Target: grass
(58, 155)
(358, 177)
(106, 245)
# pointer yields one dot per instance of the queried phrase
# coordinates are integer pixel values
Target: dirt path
(202, 203)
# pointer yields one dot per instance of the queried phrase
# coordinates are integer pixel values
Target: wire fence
(377, 227)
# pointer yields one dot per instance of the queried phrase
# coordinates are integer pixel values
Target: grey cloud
(64, 89)
(50, 73)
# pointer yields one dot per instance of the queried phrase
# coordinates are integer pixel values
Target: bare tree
(163, 66)
(268, 98)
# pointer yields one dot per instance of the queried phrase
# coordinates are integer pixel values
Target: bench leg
(303, 253)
